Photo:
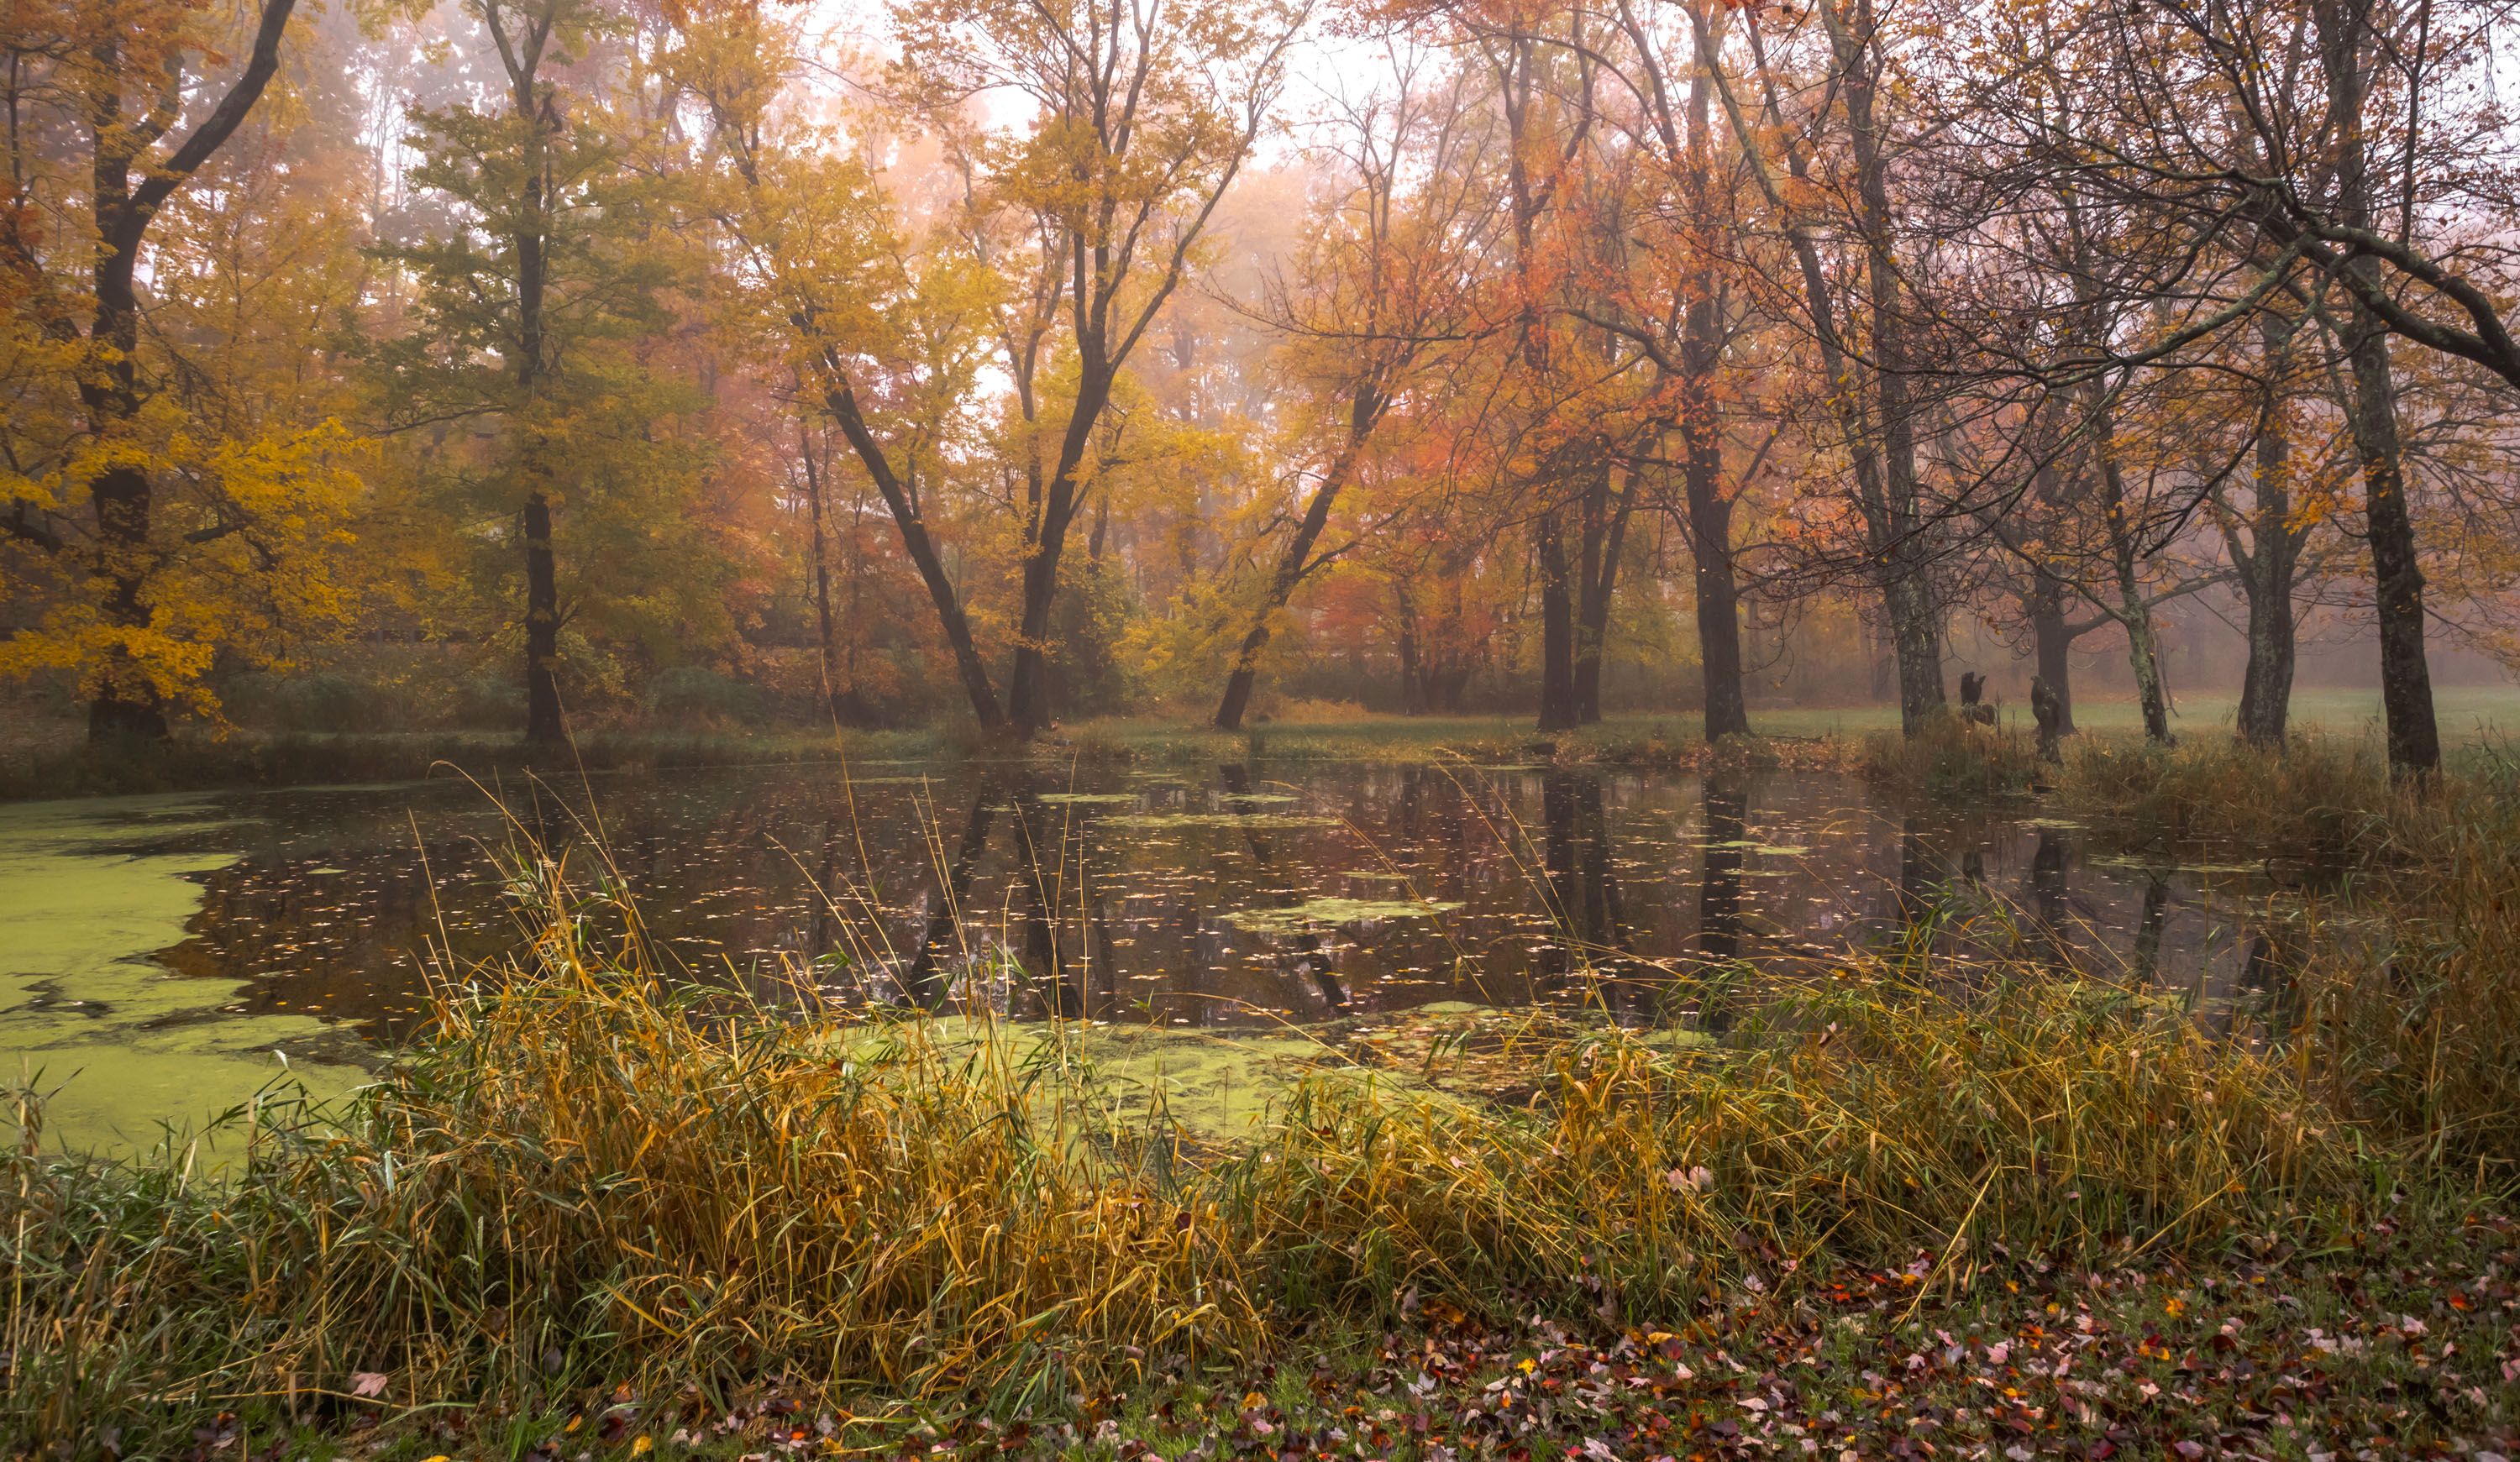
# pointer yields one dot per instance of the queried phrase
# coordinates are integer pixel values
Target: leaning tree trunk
(1295, 563)
(840, 400)
(2134, 613)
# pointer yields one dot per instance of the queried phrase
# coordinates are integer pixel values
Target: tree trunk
(1412, 675)
(1916, 634)
(1239, 685)
(1028, 708)
(2052, 643)
(2267, 567)
(822, 580)
(1726, 708)
(1898, 528)
(2134, 614)
(1029, 682)
(1718, 599)
(2396, 575)
(124, 702)
(1556, 630)
(841, 402)
(1881, 448)
(1295, 561)
(1605, 539)
(1596, 569)
(542, 626)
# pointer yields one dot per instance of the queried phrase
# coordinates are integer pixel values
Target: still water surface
(175, 953)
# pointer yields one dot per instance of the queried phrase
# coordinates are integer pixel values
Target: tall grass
(586, 1174)
(2318, 799)
(1948, 757)
(1872, 1122)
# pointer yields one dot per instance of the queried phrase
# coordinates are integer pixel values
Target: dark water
(1211, 897)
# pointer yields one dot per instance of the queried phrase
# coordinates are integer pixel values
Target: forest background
(542, 364)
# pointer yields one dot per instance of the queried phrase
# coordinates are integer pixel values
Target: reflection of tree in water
(2143, 965)
(2047, 896)
(324, 911)
(1726, 804)
(1916, 876)
(1309, 962)
(1067, 988)
(1592, 935)
(2269, 987)
(925, 985)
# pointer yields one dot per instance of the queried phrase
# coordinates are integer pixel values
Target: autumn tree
(1135, 119)
(1378, 291)
(515, 377)
(1861, 322)
(153, 536)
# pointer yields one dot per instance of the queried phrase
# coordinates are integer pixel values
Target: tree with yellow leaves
(157, 514)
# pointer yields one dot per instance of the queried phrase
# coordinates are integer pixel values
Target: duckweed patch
(1334, 912)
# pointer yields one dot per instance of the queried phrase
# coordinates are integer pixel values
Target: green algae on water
(126, 1046)
(1330, 910)
(1251, 821)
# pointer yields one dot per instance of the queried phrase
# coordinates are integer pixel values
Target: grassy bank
(587, 1185)
(1896, 1202)
(50, 758)
(60, 766)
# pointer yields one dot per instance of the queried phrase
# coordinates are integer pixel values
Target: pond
(162, 957)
